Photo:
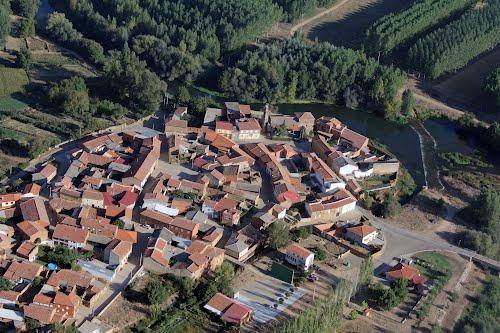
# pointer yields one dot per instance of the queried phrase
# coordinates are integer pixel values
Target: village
(182, 201)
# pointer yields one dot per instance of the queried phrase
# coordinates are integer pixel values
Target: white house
(159, 206)
(298, 256)
(328, 184)
(362, 234)
(344, 166)
(70, 236)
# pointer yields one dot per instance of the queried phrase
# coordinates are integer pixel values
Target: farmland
(346, 25)
(12, 81)
(464, 86)
(27, 126)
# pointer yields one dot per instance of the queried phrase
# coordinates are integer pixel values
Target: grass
(432, 264)
(436, 268)
(12, 80)
(459, 159)
(11, 104)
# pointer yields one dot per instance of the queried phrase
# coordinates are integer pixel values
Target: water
(401, 140)
(444, 131)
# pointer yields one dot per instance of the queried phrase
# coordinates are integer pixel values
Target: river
(400, 139)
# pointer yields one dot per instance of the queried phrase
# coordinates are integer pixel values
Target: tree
(320, 254)
(279, 234)
(32, 324)
(130, 82)
(301, 233)
(221, 282)
(37, 281)
(408, 103)
(61, 255)
(492, 86)
(107, 108)
(396, 29)
(157, 290)
(5, 284)
(60, 328)
(366, 271)
(119, 222)
(27, 27)
(24, 59)
(455, 44)
(183, 95)
(26, 8)
(391, 206)
(71, 97)
(487, 211)
(4, 24)
(200, 104)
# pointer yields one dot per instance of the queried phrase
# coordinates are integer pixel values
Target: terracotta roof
(355, 138)
(223, 125)
(236, 313)
(92, 195)
(43, 314)
(299, 251)
(25, 249)
(70, 278)
(29, 228)
(22, 269)
(32, 188)
(402, 271)
(95, 142)
(127, 235)
(157, 216)
(248, 125)
(69, 233)
(48, 171)
(67, 300)
(362, 230)
(339, 199)
(177, 123)
(142, 169)
(220, 302)
(128, 199)
(34, 210)
(10, 295)
(9, 197)
(121, 248)
(183, 223)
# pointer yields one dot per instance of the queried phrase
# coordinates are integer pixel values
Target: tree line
(4, 21)
(177, 38)
(297, 70)
(483, 312)
(395, 29)
(492, 86)
(453, 46)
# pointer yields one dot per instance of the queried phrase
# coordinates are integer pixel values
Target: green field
(11, 104)
(12, 80)
(432, 264)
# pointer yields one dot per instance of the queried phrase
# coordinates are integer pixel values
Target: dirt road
(311, 19)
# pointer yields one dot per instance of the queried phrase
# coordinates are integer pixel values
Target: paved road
(400, 242)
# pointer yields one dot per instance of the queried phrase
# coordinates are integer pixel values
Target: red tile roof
(236, 313)
(299, 251)
(128, 199)
(9, 197)
(127, 235)
(69, 233)
(223, 125)
(362, 230)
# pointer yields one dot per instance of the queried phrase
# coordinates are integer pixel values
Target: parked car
(312, 278)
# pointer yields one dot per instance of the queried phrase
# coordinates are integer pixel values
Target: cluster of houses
(108, 185)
